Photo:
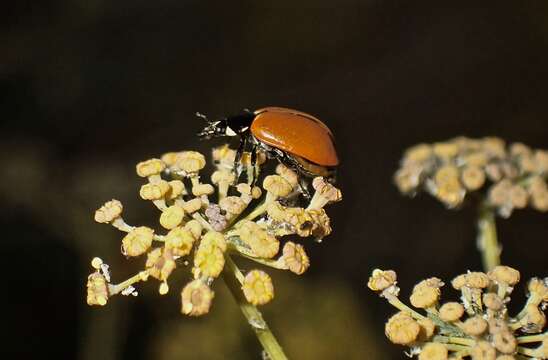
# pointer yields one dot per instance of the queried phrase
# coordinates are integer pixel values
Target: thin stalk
(487, 237)
(234, 278)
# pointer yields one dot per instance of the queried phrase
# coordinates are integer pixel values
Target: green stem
(487, 237)
(234, 278)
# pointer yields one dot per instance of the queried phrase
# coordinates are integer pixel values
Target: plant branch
(234, 278)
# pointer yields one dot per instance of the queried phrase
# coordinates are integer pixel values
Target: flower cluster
(204, 224)
(514, 176)
(478, 327)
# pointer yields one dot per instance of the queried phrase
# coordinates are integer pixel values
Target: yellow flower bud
(190, 161)
(426, 293)
(505, 342)
(154, 191)
(177, 188)
(195, 228)
(474, 326)
(289, 175)
(427, 329)
(202, 189)
(172, 217)
(539, 288)
(137, 241)
(196, 298)
(170, 158)
(261, 243)
(295, 258)
(434, 351)
(214, 238)
(483, 351)
(402, 329)
(473, 177)
(193, 205)
(451, 311)
(110, 211)
(97, 289)
(492, 301)
(209, 261)
(232, 205)
(150, 167)
(258, 288)
(277, 186)
(505, 275)
(381, 279)
(418, 153)
(445, 150)
(179, 241)
(160, 263)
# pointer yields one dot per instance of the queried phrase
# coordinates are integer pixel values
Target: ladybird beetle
(296, 139)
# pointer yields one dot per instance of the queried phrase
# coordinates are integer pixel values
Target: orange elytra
(297, 139)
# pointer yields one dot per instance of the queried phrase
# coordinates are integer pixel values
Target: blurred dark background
(90, 87)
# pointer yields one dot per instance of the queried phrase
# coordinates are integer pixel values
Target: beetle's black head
(231, 126)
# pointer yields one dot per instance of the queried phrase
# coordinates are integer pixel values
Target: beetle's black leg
(238, 158)
(255, 175)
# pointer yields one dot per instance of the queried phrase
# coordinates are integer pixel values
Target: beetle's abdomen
(296, 133)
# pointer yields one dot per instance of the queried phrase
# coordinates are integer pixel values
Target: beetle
(296, 139)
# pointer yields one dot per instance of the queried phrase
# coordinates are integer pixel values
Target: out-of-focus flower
(487, 332)
(452, 169)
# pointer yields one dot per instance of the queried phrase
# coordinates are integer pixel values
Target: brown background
(90, 87)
